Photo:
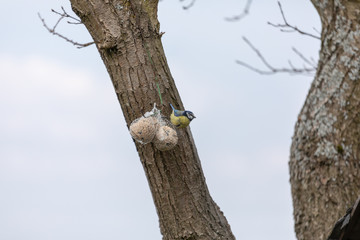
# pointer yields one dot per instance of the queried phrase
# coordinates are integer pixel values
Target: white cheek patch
(190, 116)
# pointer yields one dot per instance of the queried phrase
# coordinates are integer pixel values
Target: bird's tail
(172, 106)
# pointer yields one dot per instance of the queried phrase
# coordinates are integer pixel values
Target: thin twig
(263, 72)
(66, 15)
(258, 53)
(242, 14)
(318, 32)
(313, 61)
(272, 70)
(309, 62)
(54, 32)
(286, 27)
(189, 5)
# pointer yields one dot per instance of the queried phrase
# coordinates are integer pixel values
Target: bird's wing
(178, 113)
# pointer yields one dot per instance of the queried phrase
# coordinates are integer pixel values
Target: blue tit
(181, 119)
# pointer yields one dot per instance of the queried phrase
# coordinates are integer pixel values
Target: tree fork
(126, 32)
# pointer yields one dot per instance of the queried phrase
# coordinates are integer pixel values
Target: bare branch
(241, 15)
(52, 30)
(273, 70)
(286, 27)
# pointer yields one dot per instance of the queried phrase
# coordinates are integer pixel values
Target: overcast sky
(68, 166)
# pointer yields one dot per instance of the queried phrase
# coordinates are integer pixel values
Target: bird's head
(189, 115)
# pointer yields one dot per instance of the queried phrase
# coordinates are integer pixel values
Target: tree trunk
(126, 33)
(325, 150)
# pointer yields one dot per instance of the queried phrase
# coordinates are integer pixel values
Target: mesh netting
(153, 127)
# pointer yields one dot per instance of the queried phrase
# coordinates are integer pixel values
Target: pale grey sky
(68, 167)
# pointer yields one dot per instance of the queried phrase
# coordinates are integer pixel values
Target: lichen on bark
(324, 180)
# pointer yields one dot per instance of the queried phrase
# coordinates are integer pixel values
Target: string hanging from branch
(156, 80)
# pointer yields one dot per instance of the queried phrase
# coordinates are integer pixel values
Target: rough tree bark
(325, 151)
(126, 32)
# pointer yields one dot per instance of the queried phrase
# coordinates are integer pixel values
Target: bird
(181, 119)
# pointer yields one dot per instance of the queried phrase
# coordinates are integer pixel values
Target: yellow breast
(179, 122)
